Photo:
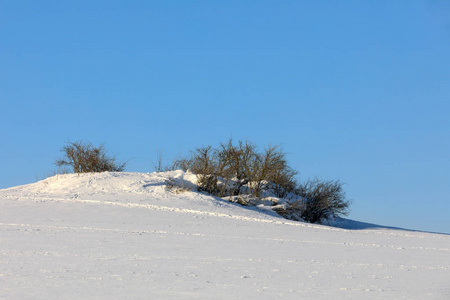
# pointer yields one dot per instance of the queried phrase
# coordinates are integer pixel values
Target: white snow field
(125, 236)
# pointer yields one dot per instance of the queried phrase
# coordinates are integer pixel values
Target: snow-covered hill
(126, 236)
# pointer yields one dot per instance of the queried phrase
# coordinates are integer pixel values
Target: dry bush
(243, 164)
(252, 173)
(322, 200)
(201, 161)
(83, 157)
(204, 161)
(271, 166)
(159, 166)
(284, 182)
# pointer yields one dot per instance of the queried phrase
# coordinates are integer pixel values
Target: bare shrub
(201, 161)
(322, 200)
(235, 164)
(284, 182)
(239, 171)
(159, 166)
(270, 166)
(240, 163)
(83, 157)
(204, 161)
(236, 161)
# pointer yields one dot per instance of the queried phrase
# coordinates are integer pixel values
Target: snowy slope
(125, 236)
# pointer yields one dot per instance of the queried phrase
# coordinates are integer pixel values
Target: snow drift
(126, 236)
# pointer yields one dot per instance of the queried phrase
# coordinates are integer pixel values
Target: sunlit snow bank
(125, 236)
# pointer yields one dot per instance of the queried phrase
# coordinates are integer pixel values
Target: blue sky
(352, 90)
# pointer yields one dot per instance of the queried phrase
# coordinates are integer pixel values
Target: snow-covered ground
(125, 236)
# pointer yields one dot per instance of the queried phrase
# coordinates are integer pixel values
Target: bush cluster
(233, 170)
(239, 165)
(84, 157)
(242, 169)
(322, 200)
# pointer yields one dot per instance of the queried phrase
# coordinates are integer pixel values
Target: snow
(126, 236)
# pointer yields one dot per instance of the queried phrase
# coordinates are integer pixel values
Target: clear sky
(352, 90)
